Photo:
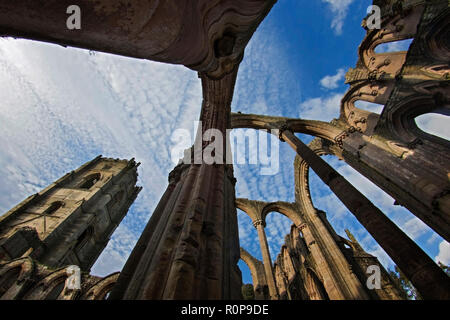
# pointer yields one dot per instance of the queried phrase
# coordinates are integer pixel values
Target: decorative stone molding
(206, 36)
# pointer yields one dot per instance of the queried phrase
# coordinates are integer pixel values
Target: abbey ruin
(190, 247)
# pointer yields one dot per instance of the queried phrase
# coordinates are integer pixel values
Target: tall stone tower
(70, 222)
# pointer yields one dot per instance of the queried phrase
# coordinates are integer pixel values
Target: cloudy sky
(61, 107)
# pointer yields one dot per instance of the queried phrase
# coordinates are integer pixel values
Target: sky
(61, 107)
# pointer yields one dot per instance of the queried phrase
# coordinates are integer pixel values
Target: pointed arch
(315, 128)
(15, 277)
(90, 180)
(101, 289)
(249, 207)
(258, 275)
(287, 209)
(53, 207)
(51, 287)
(301, 173)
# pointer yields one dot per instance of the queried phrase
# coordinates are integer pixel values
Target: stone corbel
(344, 134)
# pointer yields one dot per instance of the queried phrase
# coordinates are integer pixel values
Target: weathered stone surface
(26, 279)
(71, 221)
(204, 35)
(190, 247)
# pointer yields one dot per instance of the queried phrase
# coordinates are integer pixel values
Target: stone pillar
(140, 247)
(415, 175)
(419, 268)
(259, 225)
(339, 281)
(190, 248)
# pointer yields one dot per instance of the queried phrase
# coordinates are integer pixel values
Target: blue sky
(61, 107)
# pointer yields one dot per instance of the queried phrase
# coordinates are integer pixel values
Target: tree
(247, 292)
(406, 287)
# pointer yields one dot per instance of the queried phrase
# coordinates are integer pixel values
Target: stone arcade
(190, 246)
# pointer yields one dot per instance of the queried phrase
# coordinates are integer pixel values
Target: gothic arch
(251, 262)
(370, 91)
(100, 290)
(15, 276)
(400, 118)
(50, 287)
(436, 38)
(285, 208)
(316, 128)
(398, 23)
(302, 190)
(53, 207)
(90, 180)
(247, 206)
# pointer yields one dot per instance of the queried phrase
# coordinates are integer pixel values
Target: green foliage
(445, 268)
(407, 289)
(247, 292)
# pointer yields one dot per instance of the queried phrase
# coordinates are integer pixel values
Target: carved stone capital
(283, 128)
(258, 222)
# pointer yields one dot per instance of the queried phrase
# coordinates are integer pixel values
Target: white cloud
(324, 108)
(332, 82)
(339, 10)
(444, 253)
(396, 46)
(62, 107)
(369, 106)
(435, 124)
(415, 228)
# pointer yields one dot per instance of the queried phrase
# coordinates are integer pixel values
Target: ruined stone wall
(27, 279)
(298, 277)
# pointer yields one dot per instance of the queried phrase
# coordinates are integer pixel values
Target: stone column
(190, 248)
(419, 268)
(267, 261)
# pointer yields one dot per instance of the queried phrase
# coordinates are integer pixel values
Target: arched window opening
(55, 292)
(394, 46)
(106, 296)
(435, 124)
(53, 207)
(85, 237)
(90, 180)
(369, 106)
(277, 227)
(248, 291)
(8, 280)
(246, 273)
(248, 236)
